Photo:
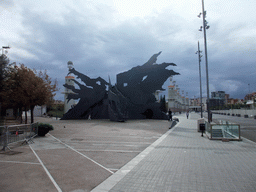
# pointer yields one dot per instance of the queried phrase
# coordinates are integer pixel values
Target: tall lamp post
(205, 26)
(199, 60)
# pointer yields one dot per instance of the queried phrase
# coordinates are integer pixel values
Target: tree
(11, 93)
(43, 92)
(4, 61)
(4, 65)
(25, 88)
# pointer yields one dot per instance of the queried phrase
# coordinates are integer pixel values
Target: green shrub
(55, 113)
(44, 128)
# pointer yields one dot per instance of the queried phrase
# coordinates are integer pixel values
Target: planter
(43, 129)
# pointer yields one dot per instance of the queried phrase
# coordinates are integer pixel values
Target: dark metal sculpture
(92, 95)
(131, 98)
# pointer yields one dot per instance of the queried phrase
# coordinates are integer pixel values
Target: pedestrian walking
(170, 115)
(187, 114)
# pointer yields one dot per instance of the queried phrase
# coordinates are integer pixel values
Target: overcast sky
(104, 38)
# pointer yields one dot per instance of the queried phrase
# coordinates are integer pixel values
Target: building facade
(194, 104)
(218, 99)
(176, 102)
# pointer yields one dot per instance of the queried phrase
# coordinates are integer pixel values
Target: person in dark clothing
(170, 115)
(187, 114)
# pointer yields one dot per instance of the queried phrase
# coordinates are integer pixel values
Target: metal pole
(206, 61)
(199, 60)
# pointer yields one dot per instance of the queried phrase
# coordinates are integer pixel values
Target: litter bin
(200, 121)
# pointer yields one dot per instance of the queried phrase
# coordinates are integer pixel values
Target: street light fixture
(199, 60)
(206, 26)
(70, 65)
(5, 47)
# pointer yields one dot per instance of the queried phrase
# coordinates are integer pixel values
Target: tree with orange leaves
(25, 88)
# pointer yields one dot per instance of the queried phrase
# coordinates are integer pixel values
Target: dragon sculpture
(131, 98)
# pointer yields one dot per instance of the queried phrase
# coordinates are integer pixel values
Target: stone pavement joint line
(114, 179)
(82, 154)
(46, 170)
(17, 162)
(182, 160)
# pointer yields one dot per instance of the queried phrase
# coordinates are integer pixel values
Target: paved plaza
(76, 155)
(182, 160)
(141, 155)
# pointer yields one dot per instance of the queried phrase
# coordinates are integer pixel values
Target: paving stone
(185, 161)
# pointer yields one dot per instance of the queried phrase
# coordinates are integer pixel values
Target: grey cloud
(97, 49)
(7, 4)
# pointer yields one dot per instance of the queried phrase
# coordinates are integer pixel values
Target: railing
(237, 112)
(231, 130)
(2, 135)
(223, 130)
(16, 133)
(208, 128)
